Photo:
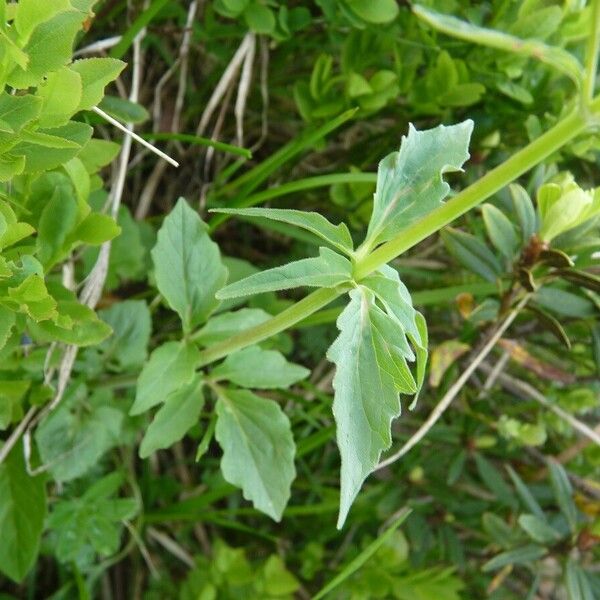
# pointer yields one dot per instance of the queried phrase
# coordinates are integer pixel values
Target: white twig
(182, 62)
(522, 387)
(135, 136)
(172, 546)
(493, 374)
(143, 550)
(226, 80)
(99, 46)
(16, 434)
(244, 89)
(438, 411)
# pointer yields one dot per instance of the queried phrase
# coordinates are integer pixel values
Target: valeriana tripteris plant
(381, 334)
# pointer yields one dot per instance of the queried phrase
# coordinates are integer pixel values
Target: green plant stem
(493, 181)
(534, 153)
(591, 53)
(285, 319)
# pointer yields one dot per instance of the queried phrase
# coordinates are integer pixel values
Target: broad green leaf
(81, 181)
(224, 325)
(7, 322)
(61, 94)
(259, 18)
(74, 136)
(329, 269)
(337, 236)
(500, 231)
(97, 154)
(258, 449)
(11, 397)
(18, 111)
(188, 265)
(525, 211)
(96, 74)
(131, 324)
(11, 230)
(385, 283)
(395, 298)
(74, 437)
(47, 140)
(552, 55)
(170, 367)
(22, 512)
(278, 580)
(32, 298)
(76, 324)
(92, 523)
(57, 220)
(374, 11)
(11, 166)
(124, 110)
(539, 530)
(30, 13)
(96, 229)
(472, 253)
(254, 367)
(49, 48)
(409, 182)
(370, 356)
(180, 411)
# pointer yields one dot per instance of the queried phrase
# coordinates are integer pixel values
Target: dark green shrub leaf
(22, 512)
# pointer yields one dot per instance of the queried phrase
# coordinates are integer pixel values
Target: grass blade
(363, 557)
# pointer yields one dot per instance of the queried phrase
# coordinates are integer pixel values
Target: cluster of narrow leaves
(539, 248)
(380, 332)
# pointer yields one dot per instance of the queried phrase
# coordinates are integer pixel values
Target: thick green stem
(591, 53)
(493, 181)
(284, 320)
(564, 131)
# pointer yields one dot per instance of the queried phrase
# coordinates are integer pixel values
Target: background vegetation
(292, 105)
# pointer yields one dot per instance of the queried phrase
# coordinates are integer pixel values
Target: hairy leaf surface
(326, 270)
(170, 367)
(254, 367)
(178, 414)
(337, 236)
(258, 449)
(370, 355)
(22, 512)
(188, 265)
(409, 182)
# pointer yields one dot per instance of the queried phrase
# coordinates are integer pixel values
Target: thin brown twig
(449, 396)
